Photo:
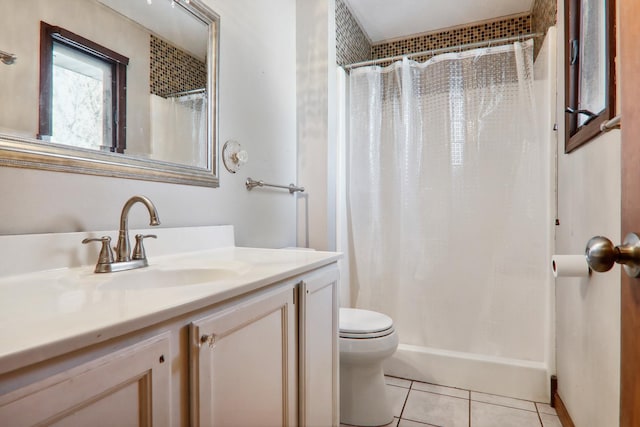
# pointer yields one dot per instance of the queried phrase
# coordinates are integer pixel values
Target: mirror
(123, 88)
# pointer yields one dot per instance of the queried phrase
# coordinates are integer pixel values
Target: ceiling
(390, 19)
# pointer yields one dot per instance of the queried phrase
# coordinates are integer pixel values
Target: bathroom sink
(163, 278)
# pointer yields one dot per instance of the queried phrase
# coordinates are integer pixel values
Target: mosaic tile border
(543, 16)
(173, 70)
(352, 45)
(500, 28)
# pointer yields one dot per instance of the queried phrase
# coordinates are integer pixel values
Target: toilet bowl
(367, 338)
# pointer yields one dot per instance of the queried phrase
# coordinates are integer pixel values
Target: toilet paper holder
(602, 254)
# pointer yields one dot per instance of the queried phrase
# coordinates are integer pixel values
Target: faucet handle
(106, 255)
(138, 249)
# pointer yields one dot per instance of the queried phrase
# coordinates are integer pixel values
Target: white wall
(257, 108)
(545, 84)
(317, 115)
(588, 309)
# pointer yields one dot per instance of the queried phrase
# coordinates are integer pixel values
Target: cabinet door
(129, 387)
(319, 356)
(243, 363)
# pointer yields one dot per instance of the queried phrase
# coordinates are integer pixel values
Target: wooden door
(629, 60)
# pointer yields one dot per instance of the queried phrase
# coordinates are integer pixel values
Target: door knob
(602, 254)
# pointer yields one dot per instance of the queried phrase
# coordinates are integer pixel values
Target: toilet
(367, 338)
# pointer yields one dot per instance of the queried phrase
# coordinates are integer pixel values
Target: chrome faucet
(124, 260)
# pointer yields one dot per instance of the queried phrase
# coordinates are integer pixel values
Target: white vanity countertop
(48, 313)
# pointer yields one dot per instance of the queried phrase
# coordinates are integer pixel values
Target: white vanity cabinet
(129, 387)
(261, 350)
(269, 360)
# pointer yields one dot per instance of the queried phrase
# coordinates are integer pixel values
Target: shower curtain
(448, 201)
(179, 129)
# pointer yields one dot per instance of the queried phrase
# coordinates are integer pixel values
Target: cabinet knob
(208, 339)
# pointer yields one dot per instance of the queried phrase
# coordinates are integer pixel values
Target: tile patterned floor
(417, 404)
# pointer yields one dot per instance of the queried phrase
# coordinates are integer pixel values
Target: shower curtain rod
(186, 92)
(483, 43)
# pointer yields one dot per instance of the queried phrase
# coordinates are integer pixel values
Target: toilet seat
(364, 324)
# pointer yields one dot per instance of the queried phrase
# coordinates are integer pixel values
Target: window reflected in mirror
(81, 99)
(82, 91)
